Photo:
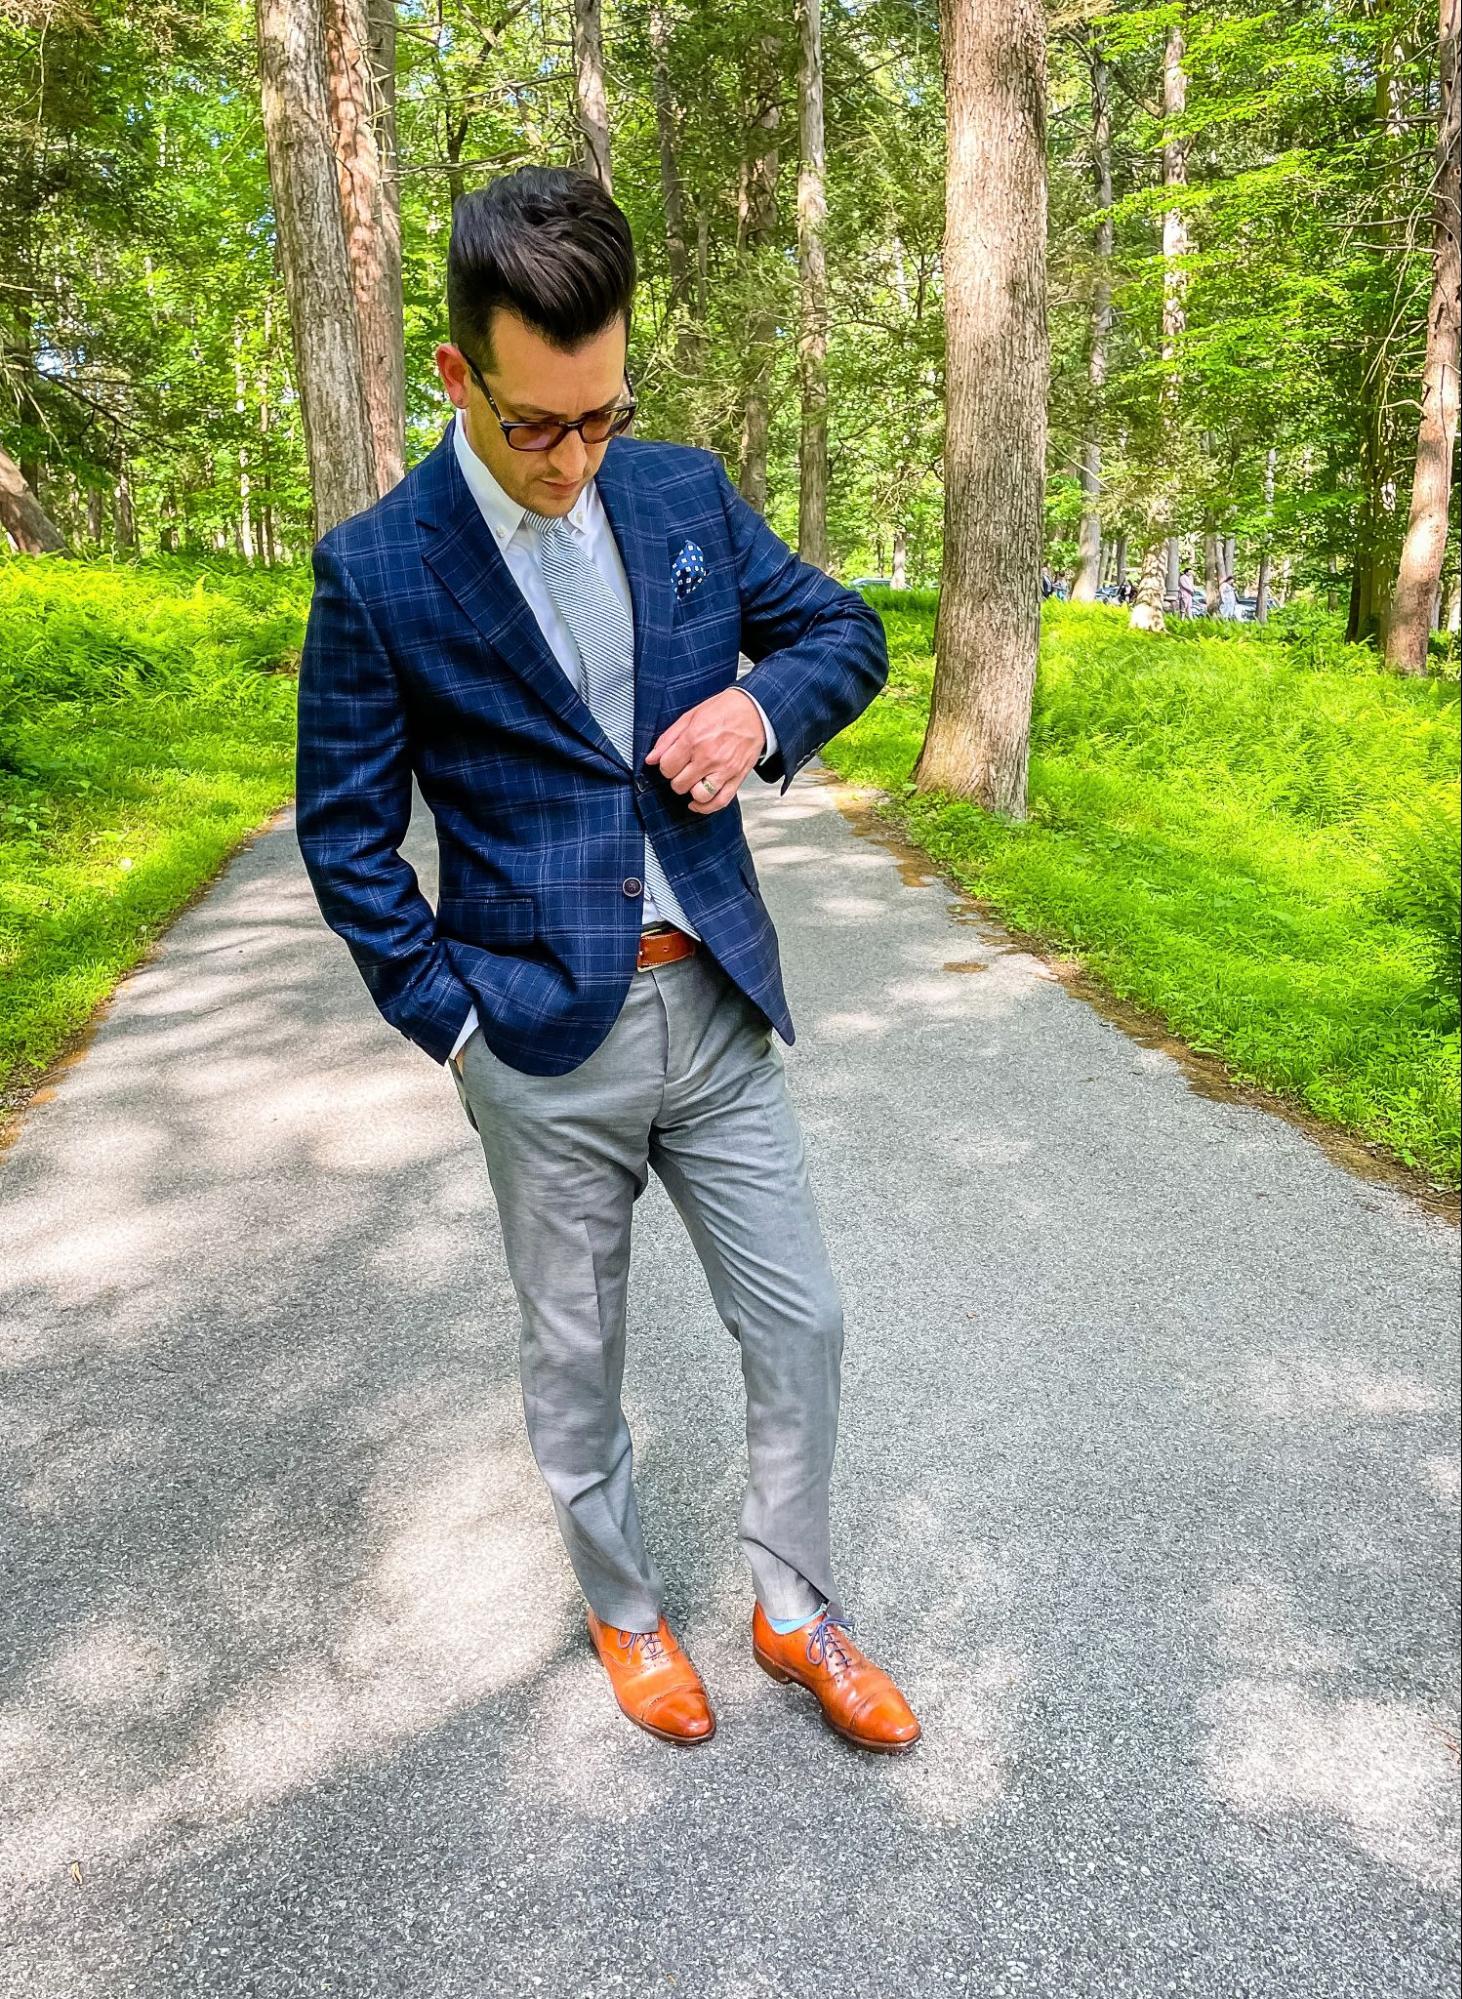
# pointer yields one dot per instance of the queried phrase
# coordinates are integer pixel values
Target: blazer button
(633, 885)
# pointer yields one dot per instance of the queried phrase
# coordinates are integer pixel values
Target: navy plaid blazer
(422, 656)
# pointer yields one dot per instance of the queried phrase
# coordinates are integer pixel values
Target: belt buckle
(667, 930)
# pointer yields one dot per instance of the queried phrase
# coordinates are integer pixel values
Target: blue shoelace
(818, 1640)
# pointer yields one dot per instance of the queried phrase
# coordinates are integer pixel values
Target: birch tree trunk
(1147, 612)
(312, 258)
(812, 543)
(266, 511)
(589, 85)
(1418, 575)
(245, 529)
(996, 370)
(1089, 540)
(1261, 587)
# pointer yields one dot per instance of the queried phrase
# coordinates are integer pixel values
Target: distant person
(1228, 602)
(1048, 583)
(1185, 593)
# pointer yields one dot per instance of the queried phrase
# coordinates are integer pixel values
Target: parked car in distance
(870, 583)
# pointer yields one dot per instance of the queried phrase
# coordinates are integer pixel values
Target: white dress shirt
(521, 549)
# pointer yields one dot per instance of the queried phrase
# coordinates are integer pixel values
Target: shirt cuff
(766, 722)
(466, 1034)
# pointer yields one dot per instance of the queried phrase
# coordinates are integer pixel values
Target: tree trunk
(1418, 574)
(899, 574)
(1377, 548)
(124, 512)
(1089, 540)
(683, 304)
(22, 515)
(589, 84)
(1212, 571)
(360, 42)
(1449, 618)
(1261, 588)
(245, 528)
(1162, 499)
(1373, 555)
(812, 274)
(266, 511)
(756, 231)
(313, 260)
(996, 372)
(1147, 610)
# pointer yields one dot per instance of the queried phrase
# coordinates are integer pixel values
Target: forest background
(1247, 827)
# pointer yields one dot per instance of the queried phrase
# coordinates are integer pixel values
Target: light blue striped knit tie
(603, 631)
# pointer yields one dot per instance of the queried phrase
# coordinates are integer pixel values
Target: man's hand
(721, 739)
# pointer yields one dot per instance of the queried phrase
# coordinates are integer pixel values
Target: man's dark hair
(548, 244)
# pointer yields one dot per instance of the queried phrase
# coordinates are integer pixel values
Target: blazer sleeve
(820, 650)
(352, 808)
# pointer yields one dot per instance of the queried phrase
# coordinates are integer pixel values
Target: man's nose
(569, 459)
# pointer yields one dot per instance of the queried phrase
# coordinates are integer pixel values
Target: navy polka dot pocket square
(688, 569)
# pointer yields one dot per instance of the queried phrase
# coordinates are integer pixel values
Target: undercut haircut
(546, 243)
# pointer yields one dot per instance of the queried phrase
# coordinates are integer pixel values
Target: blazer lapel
(463, 553)
(637, 516)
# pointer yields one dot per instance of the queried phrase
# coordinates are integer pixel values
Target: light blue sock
(786, 1624)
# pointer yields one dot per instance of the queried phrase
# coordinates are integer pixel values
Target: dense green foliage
(1257, 840)
(1304, 290)
(1255, 836)
(146, 726)
(147, 340)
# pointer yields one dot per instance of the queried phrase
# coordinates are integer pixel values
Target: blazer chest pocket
(487, 919)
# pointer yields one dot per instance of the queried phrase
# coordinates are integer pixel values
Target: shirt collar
(503, 514)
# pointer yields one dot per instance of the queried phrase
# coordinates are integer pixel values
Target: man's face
(532, 381)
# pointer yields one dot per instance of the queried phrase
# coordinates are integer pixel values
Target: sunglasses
(594, 428)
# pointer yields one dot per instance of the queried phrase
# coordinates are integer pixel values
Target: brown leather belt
(662, 944)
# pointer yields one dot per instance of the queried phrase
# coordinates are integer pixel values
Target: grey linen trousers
(690, 1082)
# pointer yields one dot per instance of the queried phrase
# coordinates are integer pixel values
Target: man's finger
(667, 738)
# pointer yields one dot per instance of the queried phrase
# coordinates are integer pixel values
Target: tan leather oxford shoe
(858, 1699)
(654, 1682)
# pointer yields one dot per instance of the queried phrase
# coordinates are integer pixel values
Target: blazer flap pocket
(486, 918)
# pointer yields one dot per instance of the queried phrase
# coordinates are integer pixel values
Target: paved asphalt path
(1147, 1492)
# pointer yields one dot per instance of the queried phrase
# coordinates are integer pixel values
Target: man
(543, 622)
(1185, 592)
